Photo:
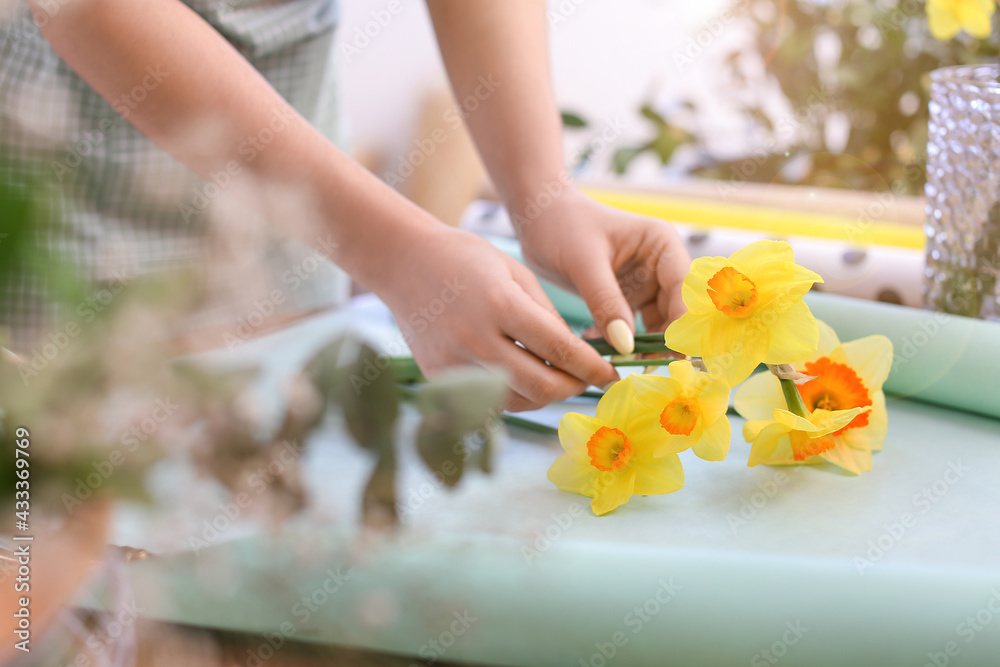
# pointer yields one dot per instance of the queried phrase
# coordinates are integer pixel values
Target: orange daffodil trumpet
(746, 310)
(846, 418)
(742, 311)
(947, 17)
(611, 457)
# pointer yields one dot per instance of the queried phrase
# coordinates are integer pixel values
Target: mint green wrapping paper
(805, 565)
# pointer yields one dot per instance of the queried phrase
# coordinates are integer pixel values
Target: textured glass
(963, 183)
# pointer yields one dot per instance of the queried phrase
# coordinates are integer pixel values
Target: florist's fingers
(598, 285)
(673, 264)
(533, 379)
(653, 321)
(524, 277)
(550, 339)
(517, 403)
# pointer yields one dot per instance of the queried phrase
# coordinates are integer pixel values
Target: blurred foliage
(854, 76)
(89, 395)
(666, 139)
(572, 119)
(458, 417)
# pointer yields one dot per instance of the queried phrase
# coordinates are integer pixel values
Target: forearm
(207, 101)
(517, 127)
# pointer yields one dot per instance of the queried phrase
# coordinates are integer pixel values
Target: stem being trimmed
(603, 348)
(405, 369)
(644, 343)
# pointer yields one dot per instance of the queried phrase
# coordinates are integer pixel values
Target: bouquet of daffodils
(820, 400)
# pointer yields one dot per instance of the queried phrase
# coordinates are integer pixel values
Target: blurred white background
(607, 59)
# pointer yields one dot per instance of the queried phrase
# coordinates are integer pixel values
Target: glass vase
(963, 183)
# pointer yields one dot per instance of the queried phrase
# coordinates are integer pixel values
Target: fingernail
(620, 336)
(609, 385)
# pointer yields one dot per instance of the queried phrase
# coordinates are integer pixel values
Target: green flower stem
(592, 394)
(643, 362)
(793, 399)
(405, 369)
(639, 338)
(644, 343)
(529, 425)
(605, 349)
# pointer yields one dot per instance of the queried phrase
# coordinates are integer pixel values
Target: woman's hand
(618, 262)
(460, 300)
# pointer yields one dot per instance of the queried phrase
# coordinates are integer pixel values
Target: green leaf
(648, 112)
(570, 119)
(623, 157)
(324, 371)
(370, 399)
(378, 501)
(487, 450)
(456, 404)
(667, 141)
(442, 448)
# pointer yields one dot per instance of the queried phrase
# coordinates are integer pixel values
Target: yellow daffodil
(610, 457)
(847, 376)
(948, 17)
(690, 409)
(787, 438)
(745, 310)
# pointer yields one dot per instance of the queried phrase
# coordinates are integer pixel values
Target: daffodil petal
(794, 422)
(686, 375)
(713, 401)
(942, 22)
(850, 459)
(655, 391)
(694, 289)
(659, 476)
(734, 350)
(872, 435)
(686, 334)
(878, 422)
(752, 428)
(771, 266)
(819, 423)
(613, 489)
(871, 359)
(794, 336)
(648, 437)
(714, 442)
(759, 396)
(575, 431)
(570, 475)
(673, 444)
(617, 405)
(765, 443)
(757, 256)
(828, 340)
(975, 18)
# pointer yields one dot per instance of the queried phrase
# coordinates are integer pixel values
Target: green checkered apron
(120, 212)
